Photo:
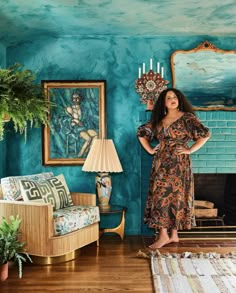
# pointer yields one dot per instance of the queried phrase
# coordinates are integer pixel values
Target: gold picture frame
(76, 120)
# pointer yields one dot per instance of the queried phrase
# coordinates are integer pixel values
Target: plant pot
(6, 118)
(4, 272)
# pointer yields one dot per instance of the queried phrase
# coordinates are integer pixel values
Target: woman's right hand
(155, 149)
(146, 145)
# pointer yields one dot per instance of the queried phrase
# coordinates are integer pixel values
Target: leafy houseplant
(11, 249)
(21, 99)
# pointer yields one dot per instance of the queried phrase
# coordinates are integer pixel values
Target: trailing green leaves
(22, 99)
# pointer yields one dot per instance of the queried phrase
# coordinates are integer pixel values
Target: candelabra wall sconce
(149, 85)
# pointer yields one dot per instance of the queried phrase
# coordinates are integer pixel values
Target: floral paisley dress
(170, 197)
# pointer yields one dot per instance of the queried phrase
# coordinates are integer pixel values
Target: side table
(115, 209)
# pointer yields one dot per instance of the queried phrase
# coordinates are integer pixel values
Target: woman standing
(169, 205)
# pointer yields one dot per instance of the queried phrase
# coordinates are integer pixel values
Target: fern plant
(11, 249)
(22, 99)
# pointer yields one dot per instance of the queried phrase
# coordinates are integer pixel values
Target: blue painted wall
(3, 142)
(115, 59)
(2, 55)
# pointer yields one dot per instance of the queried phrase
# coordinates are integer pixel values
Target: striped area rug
(189, 272)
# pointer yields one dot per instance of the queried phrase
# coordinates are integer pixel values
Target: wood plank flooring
(112, 267)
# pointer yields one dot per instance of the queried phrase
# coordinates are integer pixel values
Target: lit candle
(162, 72)
(139, 72)
(150, 64)
(143, 68)
(158, 67)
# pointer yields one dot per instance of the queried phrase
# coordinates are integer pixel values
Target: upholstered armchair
(38, 226)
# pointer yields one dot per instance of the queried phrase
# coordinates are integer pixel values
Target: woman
(169, 205)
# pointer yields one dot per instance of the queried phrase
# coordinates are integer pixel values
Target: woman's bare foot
(174, 236)
(173, 239)
(160, 242)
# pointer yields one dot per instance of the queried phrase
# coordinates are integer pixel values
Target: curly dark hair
(159, 109)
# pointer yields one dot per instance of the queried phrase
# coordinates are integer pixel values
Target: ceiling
(23, 20)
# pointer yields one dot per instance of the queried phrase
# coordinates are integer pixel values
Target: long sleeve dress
(170, 197)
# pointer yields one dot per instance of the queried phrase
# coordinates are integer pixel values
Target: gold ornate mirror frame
(207, 76)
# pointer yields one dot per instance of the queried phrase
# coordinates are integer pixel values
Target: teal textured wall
(2, 56)
(115, 59)
(3, 142)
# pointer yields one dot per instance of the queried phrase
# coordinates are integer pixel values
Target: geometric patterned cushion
(11, 187)
(53, 190)
(73, 218)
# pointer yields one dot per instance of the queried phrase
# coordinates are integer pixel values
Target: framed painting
(76, 120)
(207, 76)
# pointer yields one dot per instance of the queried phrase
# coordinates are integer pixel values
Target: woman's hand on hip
(155, 149)
(181, 150)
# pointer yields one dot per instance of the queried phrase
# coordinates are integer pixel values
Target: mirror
(207, 76)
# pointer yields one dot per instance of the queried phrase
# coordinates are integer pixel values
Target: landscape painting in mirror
(207, 76)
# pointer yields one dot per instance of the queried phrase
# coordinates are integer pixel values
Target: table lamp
(103, 158)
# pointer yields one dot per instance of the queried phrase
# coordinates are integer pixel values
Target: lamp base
(104, 207)
(103, 184)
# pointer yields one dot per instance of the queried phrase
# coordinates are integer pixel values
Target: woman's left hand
(183, 150)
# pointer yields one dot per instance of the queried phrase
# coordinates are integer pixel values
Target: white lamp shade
(102, 157)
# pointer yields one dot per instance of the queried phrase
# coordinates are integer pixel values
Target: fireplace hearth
(219, 189)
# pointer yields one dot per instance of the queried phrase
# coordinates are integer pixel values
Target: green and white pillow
(53, 190)
(11, 187)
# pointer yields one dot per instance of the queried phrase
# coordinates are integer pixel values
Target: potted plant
(11, 249)
(21, 99)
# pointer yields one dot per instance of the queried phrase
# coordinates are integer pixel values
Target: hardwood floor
(112, 267)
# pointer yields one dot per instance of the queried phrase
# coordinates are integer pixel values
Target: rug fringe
(148, 253)
(142, 254)
(186, 254)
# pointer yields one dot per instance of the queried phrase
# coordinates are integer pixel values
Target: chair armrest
(79, 198)
(39, 215)
(24, 203)
(1, 194)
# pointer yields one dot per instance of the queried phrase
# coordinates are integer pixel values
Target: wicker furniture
(37, 228)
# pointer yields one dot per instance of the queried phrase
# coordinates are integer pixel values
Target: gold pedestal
(50, 260)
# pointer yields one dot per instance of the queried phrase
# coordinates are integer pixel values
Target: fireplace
(219, 189)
